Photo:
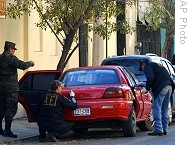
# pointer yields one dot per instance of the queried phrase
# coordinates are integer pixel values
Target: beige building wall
(100, 49)
(131, 14)
(43, 48)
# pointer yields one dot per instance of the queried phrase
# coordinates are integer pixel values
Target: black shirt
(157, 77)
(50, 113)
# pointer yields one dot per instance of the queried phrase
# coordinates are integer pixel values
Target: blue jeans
(160, 109)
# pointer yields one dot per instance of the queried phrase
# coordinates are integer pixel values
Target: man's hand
(32, 63)
(144, 91)
(71, 94)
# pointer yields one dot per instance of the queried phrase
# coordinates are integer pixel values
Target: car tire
(80, 130)
(147, 125)
(129, 127)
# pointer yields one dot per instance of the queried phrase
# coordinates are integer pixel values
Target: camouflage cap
(9, 44)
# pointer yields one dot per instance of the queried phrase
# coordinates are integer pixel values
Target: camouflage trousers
(8, 105)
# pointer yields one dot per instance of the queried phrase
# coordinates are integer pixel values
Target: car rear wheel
(147, 125)
(129, 127)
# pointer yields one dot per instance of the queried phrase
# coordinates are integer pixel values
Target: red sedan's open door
(32, 85)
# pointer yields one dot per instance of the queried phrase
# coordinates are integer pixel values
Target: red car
(107, 96)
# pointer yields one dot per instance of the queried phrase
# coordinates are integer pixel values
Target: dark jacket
(157, 77)
(8, 71)
(50, 112)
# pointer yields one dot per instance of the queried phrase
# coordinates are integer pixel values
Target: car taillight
(113, 93)
(129, 96)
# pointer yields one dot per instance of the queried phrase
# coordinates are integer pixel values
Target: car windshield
(90, 77)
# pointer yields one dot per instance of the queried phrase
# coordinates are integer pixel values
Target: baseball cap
(142, 62)
(55, 84)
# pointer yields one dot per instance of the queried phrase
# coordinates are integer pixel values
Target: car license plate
(82, 112)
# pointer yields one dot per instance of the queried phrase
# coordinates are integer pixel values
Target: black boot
(7, 132)
(1, 129)
(42, 136)
(1, 121)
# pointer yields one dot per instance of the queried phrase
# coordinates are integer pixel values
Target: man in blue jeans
(160, 83)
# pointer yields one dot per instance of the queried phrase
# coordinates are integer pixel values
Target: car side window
(169, 67)
(172, 70)
(26, 84)
(165, 65)
(38, 82)
(43, 81)
(130, 77)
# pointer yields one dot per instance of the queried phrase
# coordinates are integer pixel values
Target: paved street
(27, 134)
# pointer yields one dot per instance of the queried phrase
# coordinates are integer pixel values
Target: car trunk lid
(87, 92)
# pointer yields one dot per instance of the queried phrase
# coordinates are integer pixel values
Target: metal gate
(150, 40)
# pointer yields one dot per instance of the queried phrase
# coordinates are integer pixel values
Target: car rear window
(90, 77)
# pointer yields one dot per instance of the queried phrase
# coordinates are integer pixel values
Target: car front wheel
(147, 125)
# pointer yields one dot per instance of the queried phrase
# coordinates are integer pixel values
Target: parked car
(107, 97)
(132, 63)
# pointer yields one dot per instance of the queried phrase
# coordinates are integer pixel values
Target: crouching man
(50, 114)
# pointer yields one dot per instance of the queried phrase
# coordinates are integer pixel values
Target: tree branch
(82, 18)
(40, 12)
(70, 54)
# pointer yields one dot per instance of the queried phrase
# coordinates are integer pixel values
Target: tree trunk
(65, 52)
(166, 45)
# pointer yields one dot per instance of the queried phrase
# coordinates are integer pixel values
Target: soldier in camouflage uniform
(9, 88)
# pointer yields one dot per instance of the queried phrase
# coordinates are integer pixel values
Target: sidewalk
(22, 128)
